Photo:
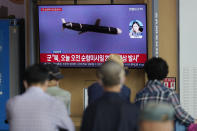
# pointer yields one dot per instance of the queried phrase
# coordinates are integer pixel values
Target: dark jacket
(110, 113)
(95, 91)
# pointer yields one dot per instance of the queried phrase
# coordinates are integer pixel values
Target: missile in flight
(82, 28)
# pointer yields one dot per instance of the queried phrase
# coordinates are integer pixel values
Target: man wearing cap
(157, 117)
(95, 90)
(54, 89)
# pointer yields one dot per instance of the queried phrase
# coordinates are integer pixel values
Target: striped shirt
(155, 91)
(35, 110)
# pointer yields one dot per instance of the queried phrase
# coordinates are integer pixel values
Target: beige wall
(77, 79)
(168, 44)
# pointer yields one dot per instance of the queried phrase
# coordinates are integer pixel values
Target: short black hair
(36, 74)
(135, 23)
(156, 68)
(54, 71)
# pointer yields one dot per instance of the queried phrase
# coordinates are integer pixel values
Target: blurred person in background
(157, 117)
(155, 91)
(54, 89)
(96, 90)
(110, 112)
(192, 127)
(35, 110)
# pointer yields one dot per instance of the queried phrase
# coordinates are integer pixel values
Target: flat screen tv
(85, 35)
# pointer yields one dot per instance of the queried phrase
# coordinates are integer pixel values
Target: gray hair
(111, 73)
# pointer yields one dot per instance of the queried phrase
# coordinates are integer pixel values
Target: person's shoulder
(171, 92)
(124, 87)
(167, 90)
(63, 92)
(51, 99)
(13, 99)
(18, 97)
(94, 85)
(126, 91)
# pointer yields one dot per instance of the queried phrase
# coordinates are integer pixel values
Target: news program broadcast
(85, 35)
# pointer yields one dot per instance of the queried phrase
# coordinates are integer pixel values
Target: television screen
(85, 35)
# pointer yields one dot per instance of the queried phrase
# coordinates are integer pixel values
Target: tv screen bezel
(38, 33)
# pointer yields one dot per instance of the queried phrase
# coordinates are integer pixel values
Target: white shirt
(35, 110)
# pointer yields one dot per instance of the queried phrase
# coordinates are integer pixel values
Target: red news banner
(89, 58)
(51, 9)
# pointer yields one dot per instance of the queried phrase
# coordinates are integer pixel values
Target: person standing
(35, 110)
(95, 91)
(155, 91)
(54, 89)
(110, 112)
(157, 117)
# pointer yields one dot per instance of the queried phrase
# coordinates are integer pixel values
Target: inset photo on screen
(136, 29)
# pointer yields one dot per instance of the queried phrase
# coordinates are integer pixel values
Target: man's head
(55, 74)
(116, 58)
(156, 68)
(111, 74)
(157, 117)
(36, 75)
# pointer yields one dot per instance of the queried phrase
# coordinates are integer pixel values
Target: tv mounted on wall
(85, 35)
